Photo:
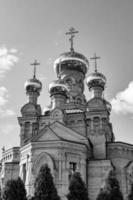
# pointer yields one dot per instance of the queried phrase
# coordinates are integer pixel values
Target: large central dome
(71, 60)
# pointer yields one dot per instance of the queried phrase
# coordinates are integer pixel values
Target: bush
(14, 190)
(77, 188)
(44, 185)
(111, 191)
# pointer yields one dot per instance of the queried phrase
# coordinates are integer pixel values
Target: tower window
(104, 121)
(27, 128)
(34, 128)
(96, 121)
(72, 166)
(24, 173)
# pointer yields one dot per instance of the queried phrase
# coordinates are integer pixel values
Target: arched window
(104, 121)
(27, 129)
(34, 128)
(96, 122)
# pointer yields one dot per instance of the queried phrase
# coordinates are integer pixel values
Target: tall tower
(71, 68)
(30, 111)
(99, 128)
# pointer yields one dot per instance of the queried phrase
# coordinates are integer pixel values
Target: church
(71, 134)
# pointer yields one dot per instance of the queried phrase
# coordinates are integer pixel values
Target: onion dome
(96, 79)
(71, 61)
(57, 87)
(33, 85)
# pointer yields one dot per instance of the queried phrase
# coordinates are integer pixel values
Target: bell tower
(99, 128)
(31, 111)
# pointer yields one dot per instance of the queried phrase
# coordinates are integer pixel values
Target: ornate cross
(95, 58)
(71, 32)
(35, 63)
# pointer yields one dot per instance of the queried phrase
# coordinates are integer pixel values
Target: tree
(77, 188)
(44, 185)
(14, 190)
(111, 191)
(130, 196)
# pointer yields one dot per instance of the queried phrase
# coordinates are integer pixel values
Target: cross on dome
(72, 33)
(95, 58)
(35, 63)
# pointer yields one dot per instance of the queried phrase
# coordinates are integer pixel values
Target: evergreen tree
(44, 185)
(130, 196)
(103, 195)
(14, 190)
(77, 188)
(111, 191)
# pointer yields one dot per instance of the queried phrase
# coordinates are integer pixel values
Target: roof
(58, 131)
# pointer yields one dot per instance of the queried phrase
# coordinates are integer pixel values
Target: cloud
(123, 102)
(8, 59)
(4, 98)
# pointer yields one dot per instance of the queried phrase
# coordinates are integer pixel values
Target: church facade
(71, 134)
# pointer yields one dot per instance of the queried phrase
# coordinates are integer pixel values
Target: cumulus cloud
(4, 98)
(123, 102)
(8, 58)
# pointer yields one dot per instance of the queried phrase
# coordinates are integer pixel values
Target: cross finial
(35, 63)
(71, 32)
(95, 58)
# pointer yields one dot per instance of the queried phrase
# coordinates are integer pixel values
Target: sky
(35, 29)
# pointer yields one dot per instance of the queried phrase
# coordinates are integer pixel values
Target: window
(96, 121)
(27, 128)
(24, 173)
(34, 128)
(72, 166)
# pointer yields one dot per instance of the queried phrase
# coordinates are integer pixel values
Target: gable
(46, 134)
(66, 133)
(57, 131)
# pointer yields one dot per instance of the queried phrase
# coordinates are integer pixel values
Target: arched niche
(43, 158)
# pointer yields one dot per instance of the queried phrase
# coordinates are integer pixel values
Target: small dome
(33, 85)
(57, 87)
(96, 79)
(75, 61)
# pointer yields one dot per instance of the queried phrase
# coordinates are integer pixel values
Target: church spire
(33, 86)
(35, 63)
(95, 58)
(72, 33)
(96, 81)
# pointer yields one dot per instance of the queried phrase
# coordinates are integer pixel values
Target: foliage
(44, 185)
(130, 196)
(14, 190)
(77, 188)
(111, 191)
